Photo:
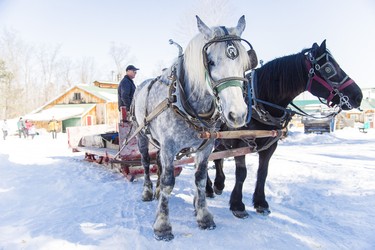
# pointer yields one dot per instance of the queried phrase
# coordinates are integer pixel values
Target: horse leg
(209, 189)
(147, 194)
(160, 170)
(219, 183)
(259, 198)
(219, 180)
(204, 217)
(219, 177)
(162, 226)
(236, 205)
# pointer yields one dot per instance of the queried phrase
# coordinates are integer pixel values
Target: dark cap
(131, 67)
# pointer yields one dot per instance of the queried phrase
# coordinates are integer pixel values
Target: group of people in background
(26, 128)
(126, 91)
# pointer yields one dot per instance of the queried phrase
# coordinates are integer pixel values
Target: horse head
(327, 80)
(220, 64)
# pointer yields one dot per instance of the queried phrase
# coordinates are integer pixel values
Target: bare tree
(48, 58)
(17, 57)
(9, 92)
(121, 58)
(87, 69)
(66, 71)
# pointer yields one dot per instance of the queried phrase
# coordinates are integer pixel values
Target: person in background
(27, 127)
(5, 129)
(53, 126)
(127, 88)
(32, 131)
(21, 127)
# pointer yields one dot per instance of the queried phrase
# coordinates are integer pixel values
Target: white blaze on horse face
(233, 107)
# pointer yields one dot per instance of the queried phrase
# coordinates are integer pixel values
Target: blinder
(253, 58)
(327, 70)
(231, 52)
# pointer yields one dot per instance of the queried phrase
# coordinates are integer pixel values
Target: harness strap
(261, 114)
(157, 111)
(269, 144)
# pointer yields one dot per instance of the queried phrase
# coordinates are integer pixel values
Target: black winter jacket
(125, 92)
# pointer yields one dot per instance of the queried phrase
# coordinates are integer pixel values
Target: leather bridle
(232, 53)
(326, 72)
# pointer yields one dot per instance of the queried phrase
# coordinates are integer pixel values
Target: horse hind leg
(209, 189)
(160, 170)
(219, 183)
(147, 193)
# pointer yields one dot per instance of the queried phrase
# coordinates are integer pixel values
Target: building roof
(309, 106)
(367, 104)
(61, 112)
(107, 94)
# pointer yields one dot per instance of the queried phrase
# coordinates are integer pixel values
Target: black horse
(273, 87)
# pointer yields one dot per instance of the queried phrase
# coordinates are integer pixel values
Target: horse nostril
(231, 116)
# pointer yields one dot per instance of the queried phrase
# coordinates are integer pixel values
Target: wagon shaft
(238, 134)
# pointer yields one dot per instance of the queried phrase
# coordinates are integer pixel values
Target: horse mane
(193, 61)
(282, 78)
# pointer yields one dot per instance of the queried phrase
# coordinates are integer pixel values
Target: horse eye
(211, 63)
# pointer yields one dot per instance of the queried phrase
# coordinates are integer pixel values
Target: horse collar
(260, 112)
(182, 107)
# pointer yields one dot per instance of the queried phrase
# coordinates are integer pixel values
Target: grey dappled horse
(202, 88)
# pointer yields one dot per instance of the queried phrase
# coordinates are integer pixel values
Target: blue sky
(275, 28)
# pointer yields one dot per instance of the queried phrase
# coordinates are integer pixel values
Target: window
(77, 97)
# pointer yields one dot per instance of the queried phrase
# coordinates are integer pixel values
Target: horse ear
(241, 25)
(204, 29)
(323, 45)
(314, 49)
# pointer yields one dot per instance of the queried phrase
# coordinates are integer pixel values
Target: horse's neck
(288, 82)
(200, 103)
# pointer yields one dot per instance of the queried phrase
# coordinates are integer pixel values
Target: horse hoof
(164, 237)
(147, 197)
(210, 195)
(240, 214)
(208, 227)
(263, 211)
(218, 191)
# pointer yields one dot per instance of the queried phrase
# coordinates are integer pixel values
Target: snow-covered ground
(321, 191)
